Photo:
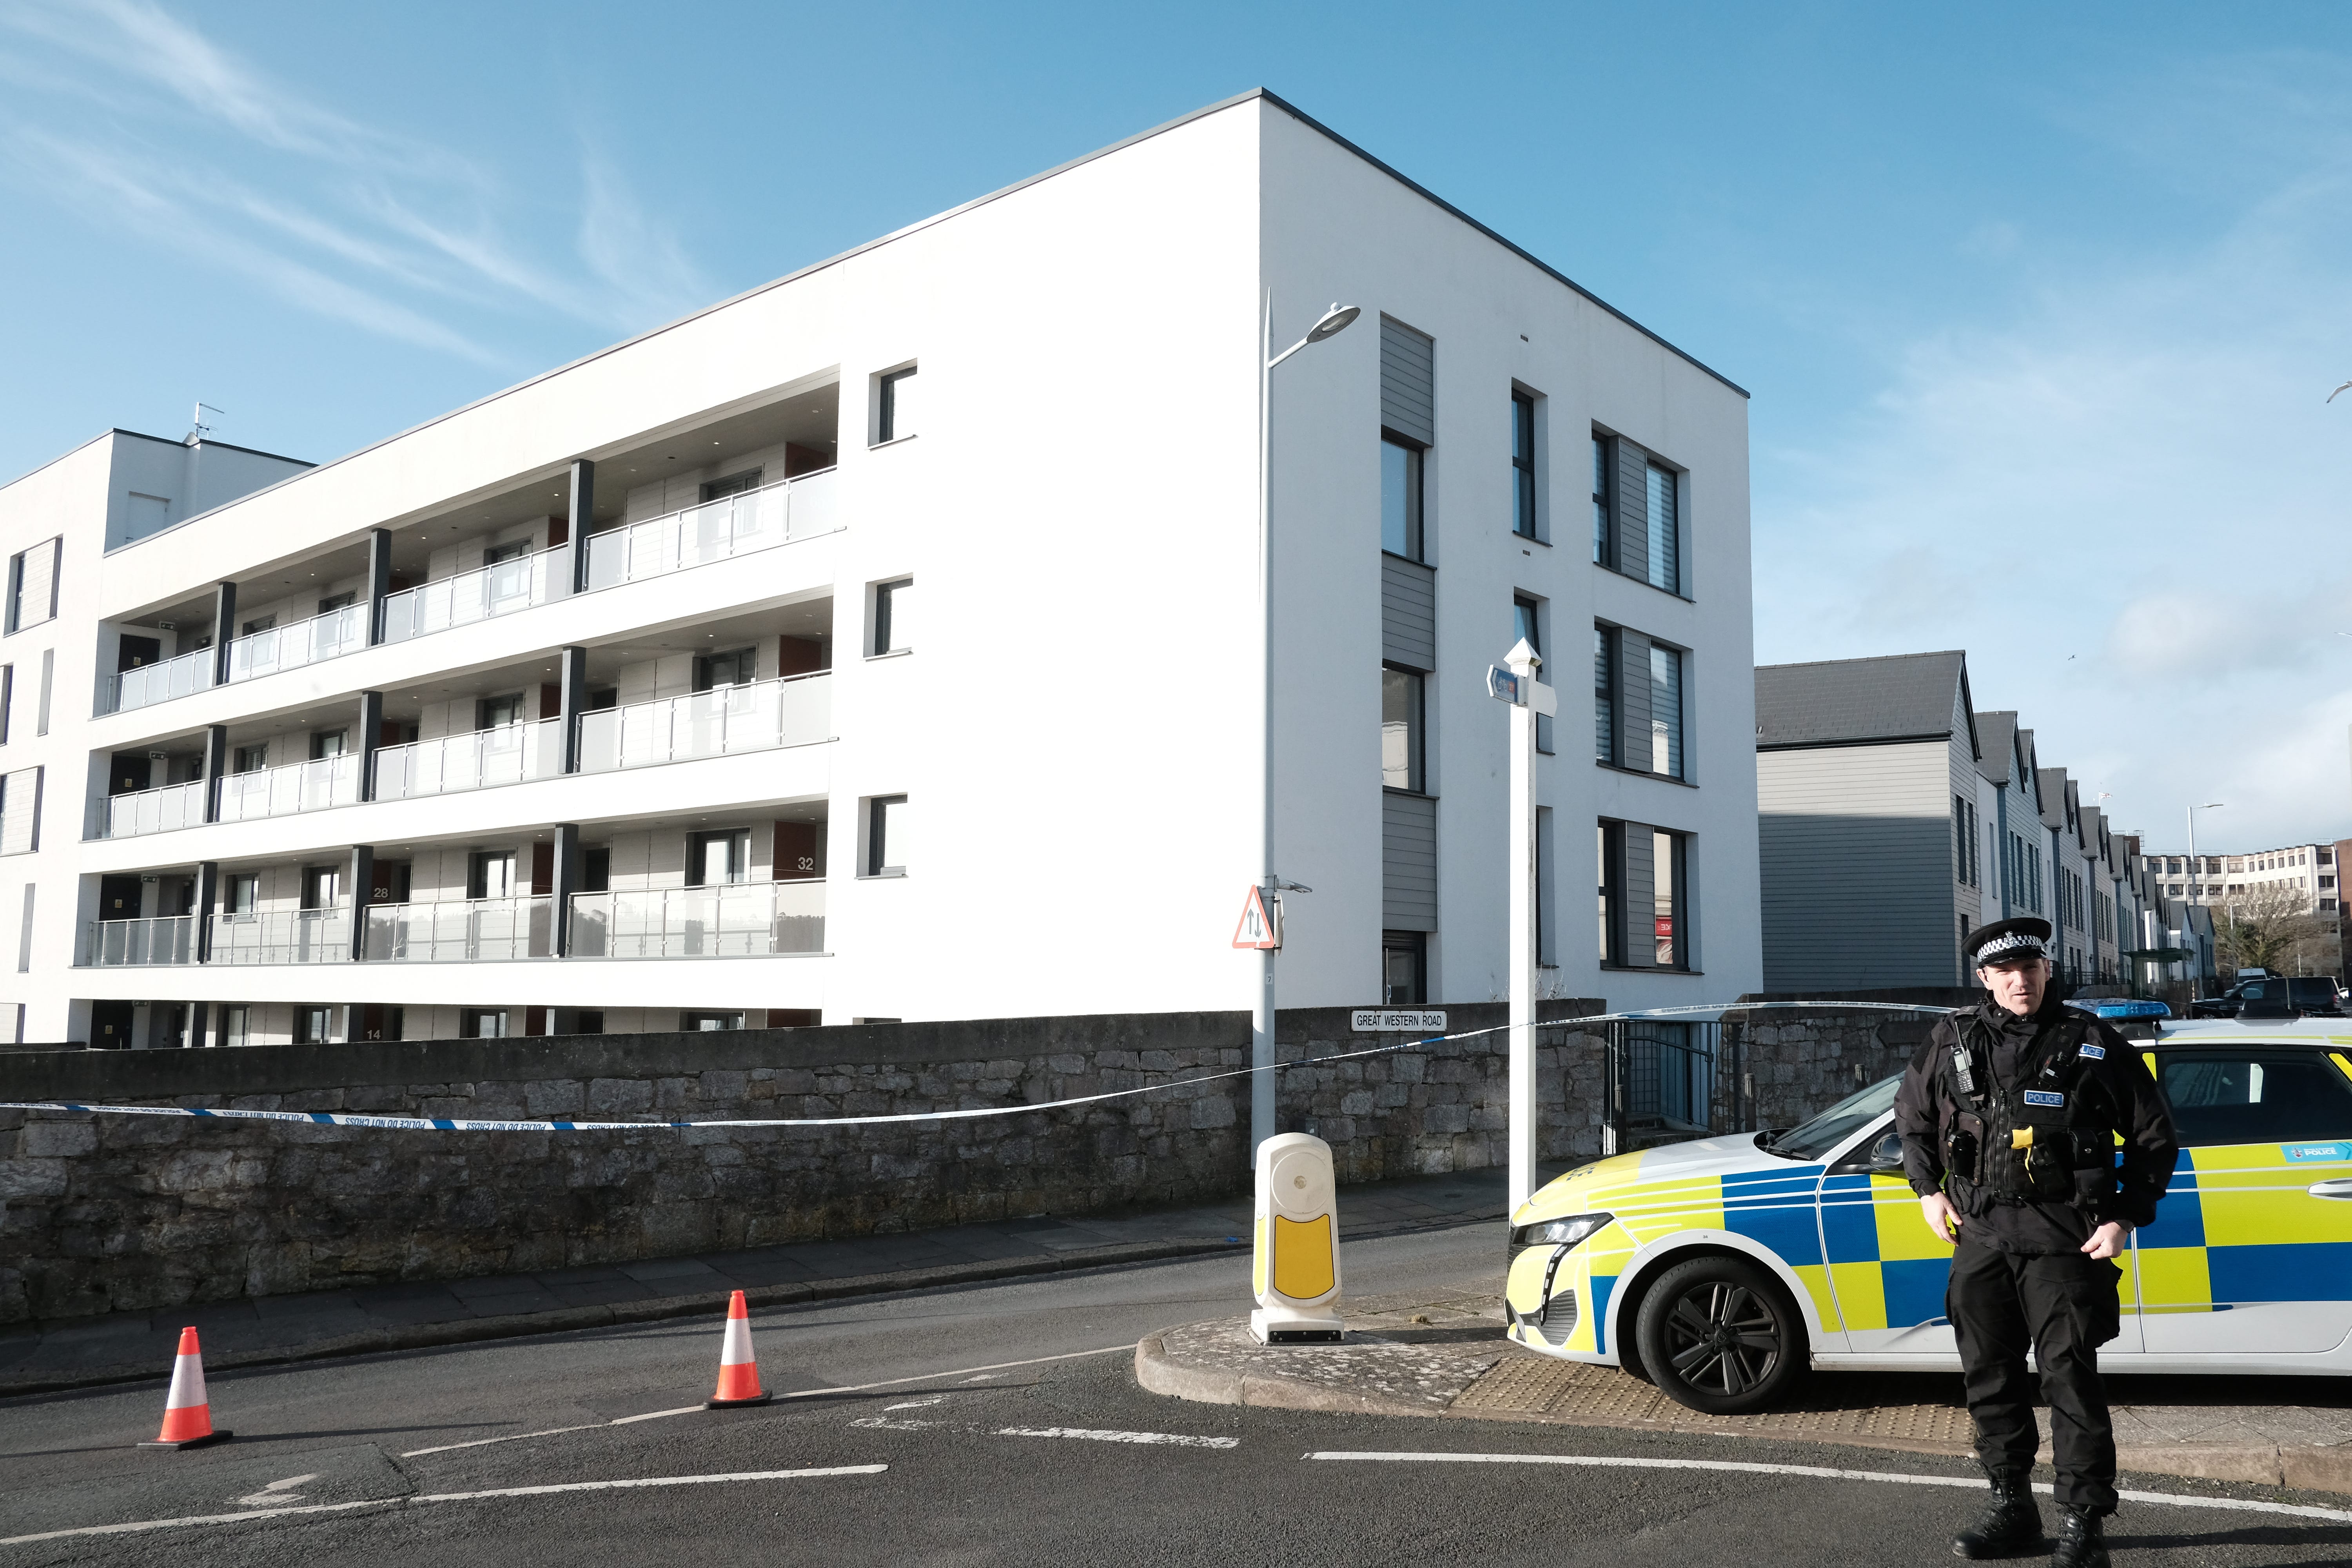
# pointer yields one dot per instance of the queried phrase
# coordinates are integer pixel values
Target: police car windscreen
(1815, 1138)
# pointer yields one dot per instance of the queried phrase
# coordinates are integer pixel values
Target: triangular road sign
(1256, 930)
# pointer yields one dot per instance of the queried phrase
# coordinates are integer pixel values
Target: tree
(2272, 928)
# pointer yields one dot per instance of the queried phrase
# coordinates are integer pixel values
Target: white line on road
(796, 1394)
(2243, 1505)
(1094, 1437)
(136, 1526)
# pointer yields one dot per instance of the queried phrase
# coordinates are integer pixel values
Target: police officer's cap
(2009, 941)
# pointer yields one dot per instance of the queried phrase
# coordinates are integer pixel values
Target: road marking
(884, 1423)
(1095, 1436)
(137, 1526)
(797, 1393)
(1976, 1483)
(918, 1404)
(275, 1492)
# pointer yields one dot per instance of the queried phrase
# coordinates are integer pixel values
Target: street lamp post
(2196, 871)
(1332, 322)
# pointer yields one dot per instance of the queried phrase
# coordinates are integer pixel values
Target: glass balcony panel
(330, 636)
(283, 936)
(153, 810)
(472, 931)
(183, 676)
(511, 753)
(715, 531)
(169, 939)
(740, 919)
(294, 787)
(483, 593)
(759, 716)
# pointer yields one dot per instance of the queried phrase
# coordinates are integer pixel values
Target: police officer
(2009, 1116)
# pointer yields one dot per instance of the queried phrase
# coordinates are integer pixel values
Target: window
(33, 586)
(7, 698)
(314, 1023)
(243, 895)
(2254, 1096)
(1961, 836)
(1665, 710)
(894, 420)
(49, 679)
(1546, 915)
(1404, 968)
(1526, 625)
(1669, 873)
(596, 877)
(1665, 530)
(891, 626)
(334, 602)
(498, 712)
(886, 835)
(732, 485)
(713, 859)
(1523, 465)
(259, 623)
(1401, 725)
(706, 1022)
(322, 887)
(482, 1023)
(735, 667)
(512, 550)
(1601, 501)
(1401, 496)
(329, 743)
(490, 874)
(1604, 694)
(250, 759)
(1610, 846)
(236, 1025)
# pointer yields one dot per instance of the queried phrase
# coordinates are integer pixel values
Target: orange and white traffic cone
(739, 1374)
(187, 1414)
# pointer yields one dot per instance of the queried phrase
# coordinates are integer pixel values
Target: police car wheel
(1719, 1335)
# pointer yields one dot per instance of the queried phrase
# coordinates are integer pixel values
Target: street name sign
(1394, 1020)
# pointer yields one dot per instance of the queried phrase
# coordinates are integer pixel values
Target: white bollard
(1295, 1269)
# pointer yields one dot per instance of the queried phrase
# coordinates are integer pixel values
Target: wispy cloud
(389, 233)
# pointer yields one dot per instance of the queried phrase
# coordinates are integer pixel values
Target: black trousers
(2062, 1307)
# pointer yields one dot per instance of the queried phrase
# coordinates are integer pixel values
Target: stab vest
(2039, 1141)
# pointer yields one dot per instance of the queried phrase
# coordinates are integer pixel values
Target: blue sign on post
(1502, 684)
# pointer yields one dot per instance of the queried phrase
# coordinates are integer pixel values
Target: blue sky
(2038, 304)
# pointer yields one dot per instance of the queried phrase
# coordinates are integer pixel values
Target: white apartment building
(886, 643)
(2302, 874)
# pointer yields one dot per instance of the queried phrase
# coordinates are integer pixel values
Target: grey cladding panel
(1640, 893)
(1408, 612)
(1633, 509)
(1408, 862)
(1408, 382)
(1633, 747)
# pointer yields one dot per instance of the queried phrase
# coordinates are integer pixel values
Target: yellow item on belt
(2022, 1138)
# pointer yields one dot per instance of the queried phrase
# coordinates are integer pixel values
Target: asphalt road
(952, 1442)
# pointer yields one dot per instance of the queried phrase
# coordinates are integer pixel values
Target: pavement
(1441, 1352)
(118, 1347)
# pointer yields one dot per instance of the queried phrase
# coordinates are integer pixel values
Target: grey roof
(1861, 701)
(2032, 761)
(2054, 787)
(1996, 734)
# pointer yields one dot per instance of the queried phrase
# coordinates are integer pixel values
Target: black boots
(2080, 1544)
(2011, 1524)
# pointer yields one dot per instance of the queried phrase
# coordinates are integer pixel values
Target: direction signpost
(1514, 681)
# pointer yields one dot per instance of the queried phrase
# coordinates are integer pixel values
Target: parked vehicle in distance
(2296, 996)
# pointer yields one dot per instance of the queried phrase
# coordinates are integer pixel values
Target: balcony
(510, 754)
(286, 936)
(329, 635)
(294, 787)
(715, 531)
(471, 931)
(118, 944)
(742, 919)
(152, 810)
(481, 595)
(143, 688)
(755, 717)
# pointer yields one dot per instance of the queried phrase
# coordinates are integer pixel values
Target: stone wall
(1804, 1061)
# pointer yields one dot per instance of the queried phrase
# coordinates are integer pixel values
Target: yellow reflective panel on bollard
(1296, 1271)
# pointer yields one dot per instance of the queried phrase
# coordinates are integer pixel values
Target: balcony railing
(715, 531)
(474, 930)
(283, 936)
(150, 684)
(510, 754)
(296, 787)
(481, 595)
(153, 810)
(167, 939)
(330, 636)
(751, 718)
(734, 920)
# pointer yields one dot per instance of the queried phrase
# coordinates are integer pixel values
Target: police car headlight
(1565, 1232)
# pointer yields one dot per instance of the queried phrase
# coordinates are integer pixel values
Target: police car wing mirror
(1887, 1155)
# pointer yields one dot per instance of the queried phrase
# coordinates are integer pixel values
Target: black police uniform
(2014, 1121)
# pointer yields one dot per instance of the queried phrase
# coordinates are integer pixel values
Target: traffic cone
(739, 1372)
(187, 1414)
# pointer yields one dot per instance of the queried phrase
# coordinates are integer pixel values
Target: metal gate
(1672, 1081)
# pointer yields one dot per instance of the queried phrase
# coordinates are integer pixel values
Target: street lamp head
(1336, 320)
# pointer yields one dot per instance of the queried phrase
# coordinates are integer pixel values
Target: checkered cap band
(2011, 945)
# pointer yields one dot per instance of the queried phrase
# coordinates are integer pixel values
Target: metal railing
(470, 931)
(329, 636)
(1671, 1081)
(481, 595)
(163, 939)
(294, 787)
(143, 688)
(715, 531)
(755, 717)
(733, 921)
(283, 936)
(153, 810)
(509, 753)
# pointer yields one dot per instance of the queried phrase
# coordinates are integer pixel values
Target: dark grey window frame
(877, 835)
(1416, 523)
(885, 416)
(1416, 732)
(1524, 509)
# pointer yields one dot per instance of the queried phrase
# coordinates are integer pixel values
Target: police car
(1721, 1270)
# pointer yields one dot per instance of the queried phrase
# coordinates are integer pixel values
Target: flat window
(490, 874)
(1665, 530)
(1601, 528)
(322, 887)
(892, 624)
(735, 666)
(1523, 465)
(732, 485)
(706, 1023)
(7, 698)
(334, 602)
(259, 623)
(314, 1023)
(596, 872)
(1402, 721)
(1547, 917)
(1666, 710)
(243, 893)
(512, 550)
(1609, 847)
(250, 759)
(1404, 968)
(2254, 1096)
(885, 836)
(1604, 694)
(713, 859)
(1527, 624)
(482, 1023)
(498, 712)
(897, 416)
(1669, 873)
(33, 586)
(49, 681)
(329, 743)
(236, 1025)
(1401, 497)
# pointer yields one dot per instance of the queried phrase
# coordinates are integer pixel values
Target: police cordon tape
(475, 1124)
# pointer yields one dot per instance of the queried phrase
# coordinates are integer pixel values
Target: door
(109, 1026)
(118, 897)
(1886, 1268)
(129, 773)
(2251, 1249)
(137, 653)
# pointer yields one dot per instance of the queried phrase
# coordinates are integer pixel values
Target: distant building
(2305, 872)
